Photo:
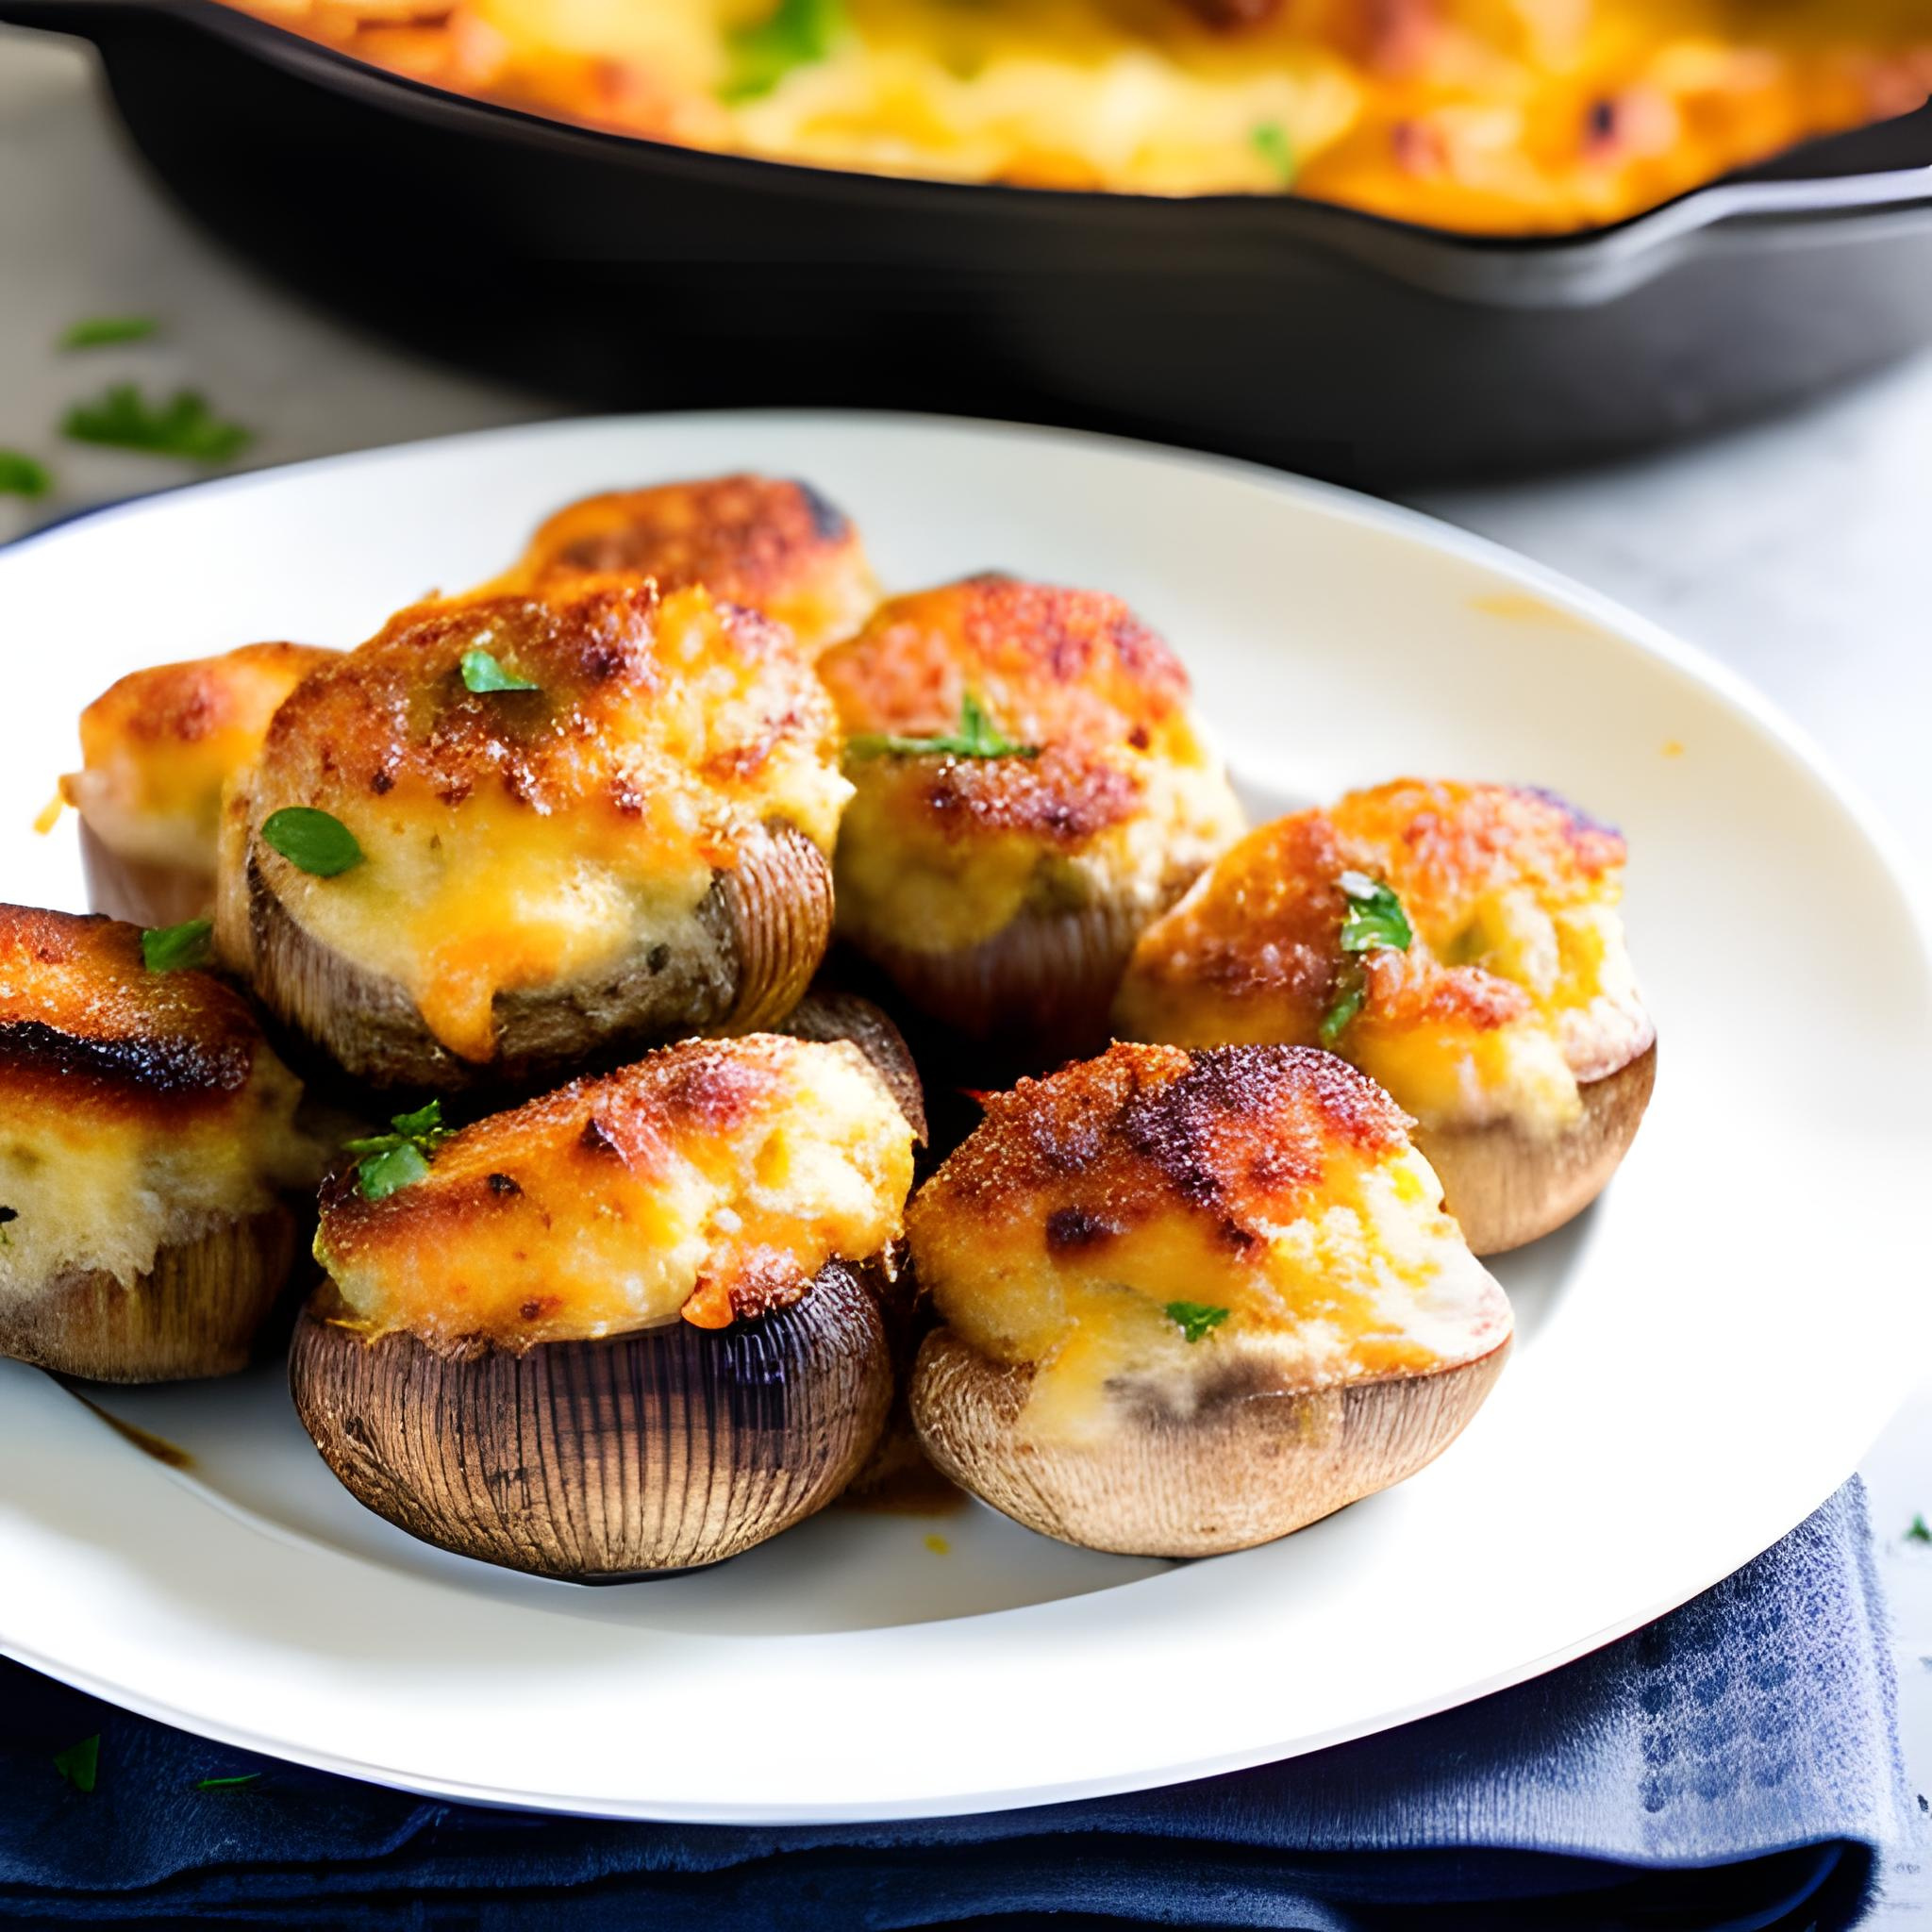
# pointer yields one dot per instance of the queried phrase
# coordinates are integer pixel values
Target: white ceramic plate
(1703, 1357)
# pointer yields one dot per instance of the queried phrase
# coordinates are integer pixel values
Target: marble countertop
(1797, 552)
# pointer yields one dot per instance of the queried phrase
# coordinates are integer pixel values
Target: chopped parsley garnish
(977, 737)
(1194, 1318)
(483, 672)
(1375, 920)
(1918, 1533)
(796, 33)
(223, 1784)
(23, 476)
(103, 331)
(1270, 140)
(122, 418)
(316, 841)
(171, 948)
(400, 1157)
(81, 1764)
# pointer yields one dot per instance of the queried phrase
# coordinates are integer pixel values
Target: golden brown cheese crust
(1236, 1139)
(774, 546)
(1074, 673)
(85, 1024)
(1254, 951)
(712, 1179)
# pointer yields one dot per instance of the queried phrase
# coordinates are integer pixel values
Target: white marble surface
(1801, 553)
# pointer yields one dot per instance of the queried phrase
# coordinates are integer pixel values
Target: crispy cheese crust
(774, 546)
(1123, 803)
(1517, 986)
(1094, 1209)
(525, 839)
(136, 1107)
(711, 1180)
(157, 745)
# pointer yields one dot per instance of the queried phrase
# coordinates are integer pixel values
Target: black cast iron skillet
(623, 273)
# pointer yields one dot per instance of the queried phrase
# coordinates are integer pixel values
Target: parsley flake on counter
(1918, 1533)
(1269, 139)
(977, 737)
(223, 1784)
(105, 331)
(122, 418)
(399, 1159)
(1195, 1318)
(23, 476)
(796, 33)
(483, 672)
(172, 948)
(316, 841)
(81, 1764)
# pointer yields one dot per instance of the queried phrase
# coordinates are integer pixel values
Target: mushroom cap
(197, 1312)
(1254, 1459)
(662, 1450)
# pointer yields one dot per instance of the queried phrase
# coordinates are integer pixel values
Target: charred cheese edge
(530, 838)
(1123, 801)
(711, 1181)
(1273, 1183)
(1518, 985)
(138, 1109)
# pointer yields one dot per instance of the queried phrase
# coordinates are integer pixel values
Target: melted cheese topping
(519, 840)
(1534, 114)
(711, 1180)
(1124, 801)
(137, 1108)
(777, 547)
(1268, 1182)
(157, 746)
(1518, 985)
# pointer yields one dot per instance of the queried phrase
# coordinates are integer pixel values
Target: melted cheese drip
(107, 1189)
(1374, 1279)
(594, 1242)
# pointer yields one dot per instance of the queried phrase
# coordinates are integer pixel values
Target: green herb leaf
(383, 1175)
(796, 33)
(171, 948)
(223, 1784)
(123, 418)
(1918, 1533)
(483, 672)
(1376, 917)
(400, 1157)
(81, 1764)
(1270, 140)
(317, 842)
(23, 476)
(1194, 1318)
(1352, 990)
(977, 737)
(102, 331)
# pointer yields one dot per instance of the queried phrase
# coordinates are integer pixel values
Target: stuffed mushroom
(1191, 1301)
(516, 832)
(156, 747)
(150, 1159)
(1460, 943)
(772, 545)
(629, 1328)
(1030, 792)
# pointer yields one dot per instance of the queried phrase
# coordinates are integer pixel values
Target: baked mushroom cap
(1030, 790)
(633, 1325)
(773, 546)
(149, 1161)
(1193, 1300)
(580, 822)
(157, 748)
(1462, 945)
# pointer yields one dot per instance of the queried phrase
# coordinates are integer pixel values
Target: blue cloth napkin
(1735, 1766)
